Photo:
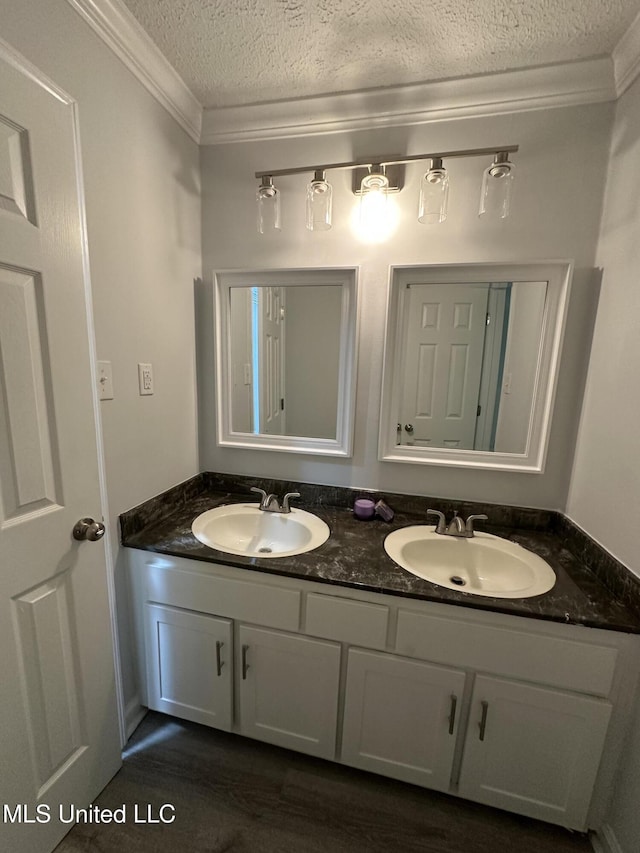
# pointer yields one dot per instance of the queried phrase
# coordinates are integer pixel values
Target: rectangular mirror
(286, 343)
(471, 359)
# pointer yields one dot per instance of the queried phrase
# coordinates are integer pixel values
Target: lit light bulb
(374, 220)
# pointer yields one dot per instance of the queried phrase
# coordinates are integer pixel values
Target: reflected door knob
(89, 529)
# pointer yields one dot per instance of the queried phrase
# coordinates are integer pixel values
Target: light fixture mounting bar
(391, 161)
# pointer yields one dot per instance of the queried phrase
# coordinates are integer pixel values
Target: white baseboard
(134, 714)
(605, 841)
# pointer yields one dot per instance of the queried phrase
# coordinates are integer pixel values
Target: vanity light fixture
(374, 187)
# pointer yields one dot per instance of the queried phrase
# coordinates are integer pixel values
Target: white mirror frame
(347, 278)
(558, 275)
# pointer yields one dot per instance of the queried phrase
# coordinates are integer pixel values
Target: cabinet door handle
(219, 661)
(483, 720)
(245, 665)
(452, 713)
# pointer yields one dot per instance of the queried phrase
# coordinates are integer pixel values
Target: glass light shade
(434, 194)
(497, 188)
(268, 199)
(319, 202)
(373, 205)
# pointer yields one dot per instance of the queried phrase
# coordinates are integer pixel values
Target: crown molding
(567, 84)
(626, 58)
(118, 28)
(561, 85)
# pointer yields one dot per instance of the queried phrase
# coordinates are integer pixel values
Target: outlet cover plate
(145, 379)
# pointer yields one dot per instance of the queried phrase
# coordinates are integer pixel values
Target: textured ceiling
(247, 51)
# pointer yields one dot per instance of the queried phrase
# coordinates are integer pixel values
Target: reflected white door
(271, 359)
(444, 329)
(59, 737)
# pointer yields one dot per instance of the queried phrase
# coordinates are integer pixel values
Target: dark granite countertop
(592, 589)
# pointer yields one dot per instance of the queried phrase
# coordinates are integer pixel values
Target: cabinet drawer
(582, 667)
(348, 621)
(236, 599)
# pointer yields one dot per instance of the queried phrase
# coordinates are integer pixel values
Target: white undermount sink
(245, 530)
(482, 565)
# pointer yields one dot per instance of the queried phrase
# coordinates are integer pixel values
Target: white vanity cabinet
(189, 665)
(533, 750)
(523, 748)
(288, 685)
(401, 717)
(523, 714)
(289, 690)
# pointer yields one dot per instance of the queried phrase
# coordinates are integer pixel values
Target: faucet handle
(442, 526)
(285, 500)
(262, 493)
(471, 519)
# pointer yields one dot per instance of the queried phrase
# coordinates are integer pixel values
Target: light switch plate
(105, 381)
(145, 379)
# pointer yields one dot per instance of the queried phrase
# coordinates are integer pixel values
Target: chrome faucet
(456, 526)
(269, 503)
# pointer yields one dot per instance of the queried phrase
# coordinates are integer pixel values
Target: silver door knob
(89, 529)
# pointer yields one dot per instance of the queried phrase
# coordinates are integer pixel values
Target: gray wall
(556, 215)
(605, 487)
(313, 316)
(521, 358)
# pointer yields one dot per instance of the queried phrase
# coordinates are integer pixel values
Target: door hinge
(479, 410)
(488, 319)
(282, 404)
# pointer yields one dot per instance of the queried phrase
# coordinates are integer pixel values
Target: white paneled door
(59, 735)
(444, 335)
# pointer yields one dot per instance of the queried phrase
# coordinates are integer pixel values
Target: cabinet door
(289, 690)
(189, 661)
(401, 717)
(533, 750)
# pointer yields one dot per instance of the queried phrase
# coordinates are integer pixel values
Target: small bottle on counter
(384, 511)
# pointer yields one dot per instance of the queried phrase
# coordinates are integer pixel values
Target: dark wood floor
(235, 794)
